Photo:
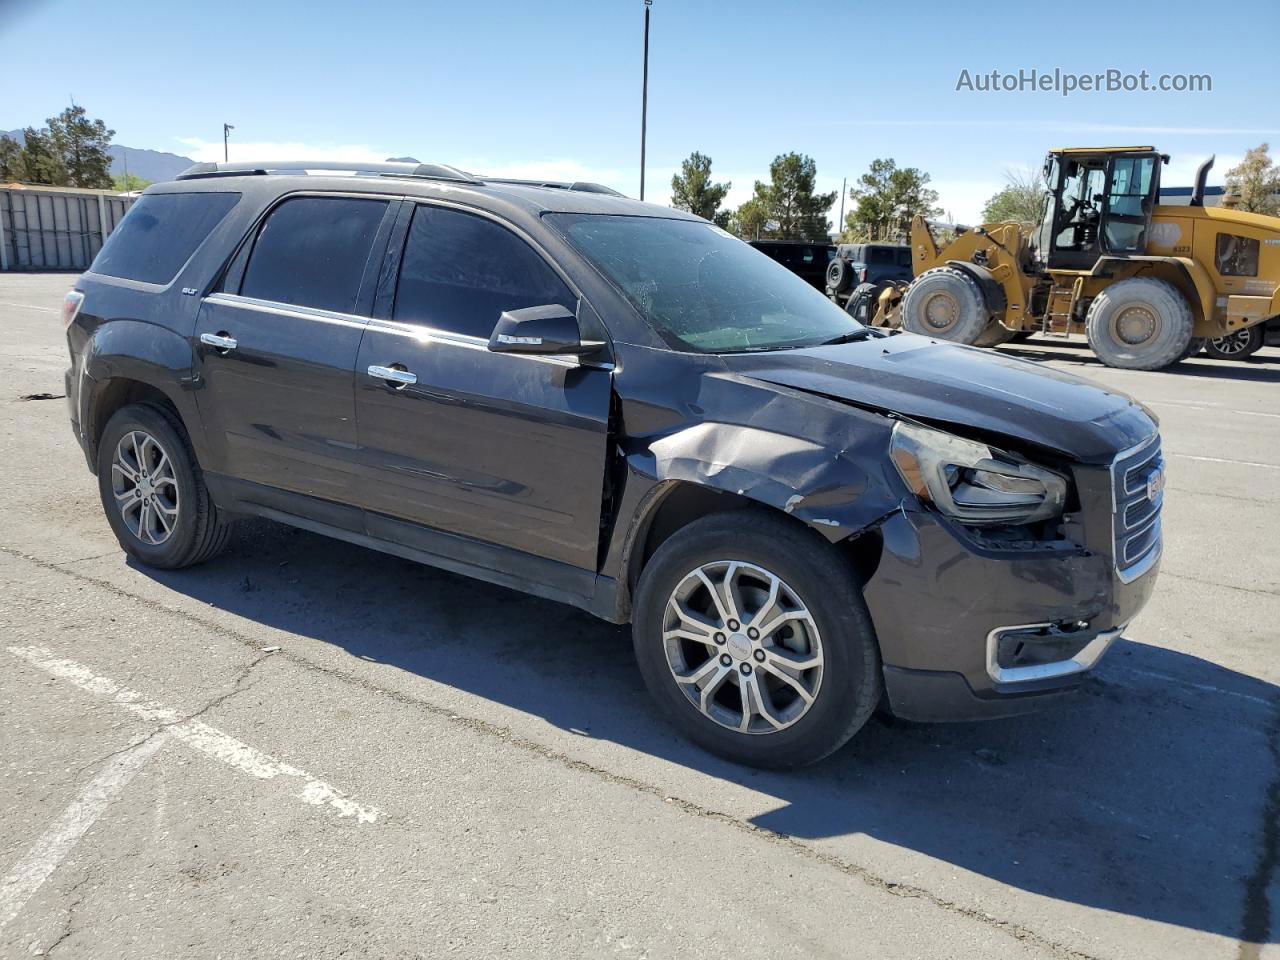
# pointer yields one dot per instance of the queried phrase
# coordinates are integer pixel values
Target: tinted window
(703, 289)
(160, 233)
(460, 272)
(312, 252)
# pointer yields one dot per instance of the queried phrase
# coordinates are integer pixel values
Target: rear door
(277, 345)
(503, 448)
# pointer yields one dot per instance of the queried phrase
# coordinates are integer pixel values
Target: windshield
(704, 290)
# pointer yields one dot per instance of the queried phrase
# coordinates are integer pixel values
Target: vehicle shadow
(1262, 367)
(1145, 797)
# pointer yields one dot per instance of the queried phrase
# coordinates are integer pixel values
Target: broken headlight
(972, 482)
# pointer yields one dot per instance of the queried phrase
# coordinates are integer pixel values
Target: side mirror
(547, 329)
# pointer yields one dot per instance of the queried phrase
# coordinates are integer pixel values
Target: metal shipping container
(56, 228)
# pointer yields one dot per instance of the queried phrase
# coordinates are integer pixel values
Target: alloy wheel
(742, 647)
(1233, 344)
(145, 487)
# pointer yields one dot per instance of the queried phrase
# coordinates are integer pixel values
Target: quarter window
(312, 252)
(1236, 256)
(461, 271)
(160, 233)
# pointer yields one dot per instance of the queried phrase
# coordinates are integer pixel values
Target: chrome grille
(1136, 518)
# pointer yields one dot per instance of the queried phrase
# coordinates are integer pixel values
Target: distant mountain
(151, 165)
(403, 160)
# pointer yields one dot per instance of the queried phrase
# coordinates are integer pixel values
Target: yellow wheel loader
(1146, 283)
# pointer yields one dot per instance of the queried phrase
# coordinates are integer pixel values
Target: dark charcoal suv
(622, 407)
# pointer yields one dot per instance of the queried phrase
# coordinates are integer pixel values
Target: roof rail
(261, 168)
(583, 186)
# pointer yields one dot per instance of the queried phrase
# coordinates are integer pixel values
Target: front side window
(703, 290)
(461, 272)
(1236, 256)
(160, 233)
(312, 252)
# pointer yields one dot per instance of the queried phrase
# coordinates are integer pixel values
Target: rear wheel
(1240, 345)
(752, 635)
(1139, 324)
(946, 303)
(153, 490)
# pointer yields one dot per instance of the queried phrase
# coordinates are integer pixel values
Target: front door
(506, 449)
(1132, 191)
(276, 348)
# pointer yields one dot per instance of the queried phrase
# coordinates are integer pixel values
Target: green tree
(748, 221)
(790, 201)
(1021, 199)
(82, 143)
(1255, 183)
(128, 183)
(41, 160)
(692, 188)
(11, 164)
(886, 199)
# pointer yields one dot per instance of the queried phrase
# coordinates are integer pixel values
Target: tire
(1139, 324)
(946, 303)
(860, 302)
(1194, 346)
(1240, 345)
(843, 690)
(839, 275)
(140, 434)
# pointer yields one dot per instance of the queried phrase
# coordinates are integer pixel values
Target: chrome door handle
(402, 377)
(218, 340)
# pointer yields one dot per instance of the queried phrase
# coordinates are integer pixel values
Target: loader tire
(1139, 324)
(946, 303)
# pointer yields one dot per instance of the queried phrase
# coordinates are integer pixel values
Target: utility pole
(844, 189)
(226, 150)
(644, 95)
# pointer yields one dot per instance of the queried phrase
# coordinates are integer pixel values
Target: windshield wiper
(850, 337)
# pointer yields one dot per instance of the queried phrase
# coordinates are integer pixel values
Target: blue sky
(553, 88)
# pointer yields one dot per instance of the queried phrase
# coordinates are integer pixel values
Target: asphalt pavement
(307, 749)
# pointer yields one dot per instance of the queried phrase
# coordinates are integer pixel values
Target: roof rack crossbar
(582, 186)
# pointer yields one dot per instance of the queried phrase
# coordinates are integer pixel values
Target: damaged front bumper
(968, 633)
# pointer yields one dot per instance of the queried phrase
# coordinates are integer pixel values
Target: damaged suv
(618, 406)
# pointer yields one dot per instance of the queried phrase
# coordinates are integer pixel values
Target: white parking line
(198, 735)
(30, 873)
(29, 306)
(1239, 463)
(1215, 407)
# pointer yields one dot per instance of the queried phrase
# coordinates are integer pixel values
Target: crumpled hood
(930, 380)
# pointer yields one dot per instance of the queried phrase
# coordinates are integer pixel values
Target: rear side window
(160, 233)
(312, 252)
(460, 272)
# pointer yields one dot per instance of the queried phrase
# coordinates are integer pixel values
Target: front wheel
(752, 635)
(948, 304)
